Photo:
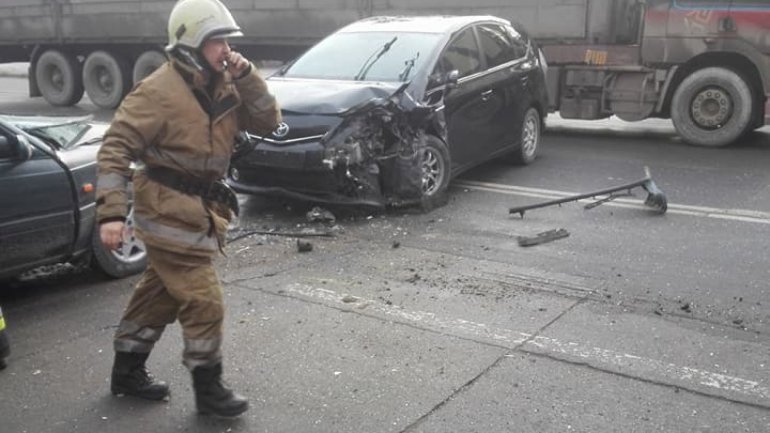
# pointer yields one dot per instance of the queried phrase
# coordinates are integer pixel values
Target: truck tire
(147, 63)
(527, 148)
(712, 107)
(58, 78)
(106, 79)
(129, 259)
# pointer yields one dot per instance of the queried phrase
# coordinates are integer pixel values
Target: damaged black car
(387, 110)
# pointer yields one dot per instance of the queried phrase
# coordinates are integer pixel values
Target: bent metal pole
(656, 199)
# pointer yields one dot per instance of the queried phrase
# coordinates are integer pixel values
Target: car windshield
(372, 56)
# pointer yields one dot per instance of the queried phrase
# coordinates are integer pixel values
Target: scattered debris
(305, 233)
(607, 199)
(656, 199)
(414, 278)
(319, 214)
(349, 299)
(541, 238)
(304, 246)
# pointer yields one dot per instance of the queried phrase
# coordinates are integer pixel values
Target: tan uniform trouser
(175, 286)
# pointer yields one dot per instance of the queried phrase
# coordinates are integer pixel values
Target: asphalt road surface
(440, 321)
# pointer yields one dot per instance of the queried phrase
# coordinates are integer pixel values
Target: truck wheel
(58, 78)
(526, 150)
(106, 79)
(129, 259)
(712, 107)
(147, 63)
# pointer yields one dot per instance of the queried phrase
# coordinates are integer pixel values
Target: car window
(497, 45)
(374, 56)
(461, 54)
(518, 41)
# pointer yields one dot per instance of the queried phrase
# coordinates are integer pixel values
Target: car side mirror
(450, 81)
(15, 146)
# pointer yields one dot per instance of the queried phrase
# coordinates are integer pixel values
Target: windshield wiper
(408, 68)
(373, 59)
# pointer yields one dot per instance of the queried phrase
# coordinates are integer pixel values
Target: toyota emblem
(281, 131)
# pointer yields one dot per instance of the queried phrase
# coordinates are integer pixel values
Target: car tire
(129, 259)
(435, 169)
(722, 89)
(58, 76)
(529, 145)
(106, 79)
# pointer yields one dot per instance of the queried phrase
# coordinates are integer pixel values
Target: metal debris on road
(304, 246)
(541, 238)
(235, 235)
(319, 214)
(656, 199)
(607, 199)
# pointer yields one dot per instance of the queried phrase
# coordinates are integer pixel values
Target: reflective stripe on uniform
(132, 346)
(202, 353)
(195, 239)
(132, 337)
(111, 180)
(2, 321)
(127, 328)
(202, 346)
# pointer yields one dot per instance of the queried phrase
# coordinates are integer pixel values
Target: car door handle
(486, 95)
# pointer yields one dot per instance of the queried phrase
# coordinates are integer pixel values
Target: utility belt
(217, 191)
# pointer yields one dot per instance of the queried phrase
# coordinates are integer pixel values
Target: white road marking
(742, 215)
(630, 365)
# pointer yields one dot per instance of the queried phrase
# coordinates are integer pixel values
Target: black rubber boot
(212, 396)
(131, 377)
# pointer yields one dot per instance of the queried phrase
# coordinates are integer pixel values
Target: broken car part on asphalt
(656, 199)
(319, 214)
(541, 238)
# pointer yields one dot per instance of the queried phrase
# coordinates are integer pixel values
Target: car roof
(422, 23)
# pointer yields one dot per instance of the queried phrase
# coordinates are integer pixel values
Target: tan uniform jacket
(161, 123)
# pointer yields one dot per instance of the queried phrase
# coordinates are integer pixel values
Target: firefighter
(172, 137)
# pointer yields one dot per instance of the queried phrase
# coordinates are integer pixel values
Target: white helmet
(193, 21)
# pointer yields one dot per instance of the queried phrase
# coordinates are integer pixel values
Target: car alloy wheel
(131, 249)
(530, 138)
(433, 171)
(129, 259)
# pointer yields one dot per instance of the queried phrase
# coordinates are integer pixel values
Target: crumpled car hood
(325, 96)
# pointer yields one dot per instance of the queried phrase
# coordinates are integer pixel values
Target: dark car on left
(48, 198)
